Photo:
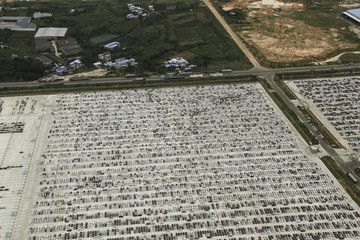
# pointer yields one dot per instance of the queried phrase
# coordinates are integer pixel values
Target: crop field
(175, 29)
(291, 32)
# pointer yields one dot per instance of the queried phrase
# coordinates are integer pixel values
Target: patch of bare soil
(350, 4)
(282, 39)
(257, 4)
(94, 73)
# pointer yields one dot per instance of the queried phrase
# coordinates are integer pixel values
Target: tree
(25, 69)
(5, 34)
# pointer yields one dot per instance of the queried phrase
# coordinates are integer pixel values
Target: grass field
(176, 29)
(102, 38)
(350, 57)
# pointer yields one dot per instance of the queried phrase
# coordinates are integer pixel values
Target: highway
(253, 71)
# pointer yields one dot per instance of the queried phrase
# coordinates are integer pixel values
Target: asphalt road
(253, 71)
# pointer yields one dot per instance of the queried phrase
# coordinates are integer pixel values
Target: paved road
(261, 72)
(238, 42)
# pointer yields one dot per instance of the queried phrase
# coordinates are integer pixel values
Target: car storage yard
(336, 102)
(170, 163)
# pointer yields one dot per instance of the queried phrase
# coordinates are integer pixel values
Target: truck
(226, 70)
(130, 75)
(210, 71)
(216, 74)
(53, 83)
(172, 77)
(196, 76)
(186, 73)
(352, 177)
(80, 79)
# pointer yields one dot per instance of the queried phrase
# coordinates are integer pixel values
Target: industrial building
(112, 45)
(76, 64)
(68, 46)
(121, 63)
(50, 33)
(17, 23)
(176, 62)
(353, 15)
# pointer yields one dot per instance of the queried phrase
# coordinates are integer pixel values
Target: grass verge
(319, 74)
(284, 88)
(322, 130)
(342, 178)
(357, 172)
(295, 121)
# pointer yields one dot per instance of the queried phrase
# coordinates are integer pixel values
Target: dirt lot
(288, 31)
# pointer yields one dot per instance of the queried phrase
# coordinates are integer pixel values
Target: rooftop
(17, 23)
(50, 32)
(353, 13)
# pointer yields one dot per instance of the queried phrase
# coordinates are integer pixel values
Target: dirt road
(241, 45)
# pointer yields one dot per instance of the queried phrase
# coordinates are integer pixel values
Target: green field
(176, 29)
(102, 38)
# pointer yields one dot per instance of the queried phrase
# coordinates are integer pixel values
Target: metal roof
(51, 32)
(17, 23)
(353, 13)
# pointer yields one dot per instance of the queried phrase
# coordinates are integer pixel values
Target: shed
(50, 33)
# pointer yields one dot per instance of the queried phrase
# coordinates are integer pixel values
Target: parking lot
(202, 162)
(20, 127)
(336, 102)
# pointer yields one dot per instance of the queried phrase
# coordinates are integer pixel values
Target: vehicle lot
(180, 163)
(20, 127)
(336, 101)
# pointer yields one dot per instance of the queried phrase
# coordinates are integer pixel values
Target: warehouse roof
(353, 13)
(51, 32)
(17, 23)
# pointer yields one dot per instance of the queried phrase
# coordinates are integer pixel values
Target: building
(37, 15)
(61, 70)
(176, 62)
(112, 45)
(50, 33)
(353, 15)
(121, 63)
(134, 8)
(75, 64)
(131, 16)
(105, 56)
(17, 23)
(97, 64)
(68, 46)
